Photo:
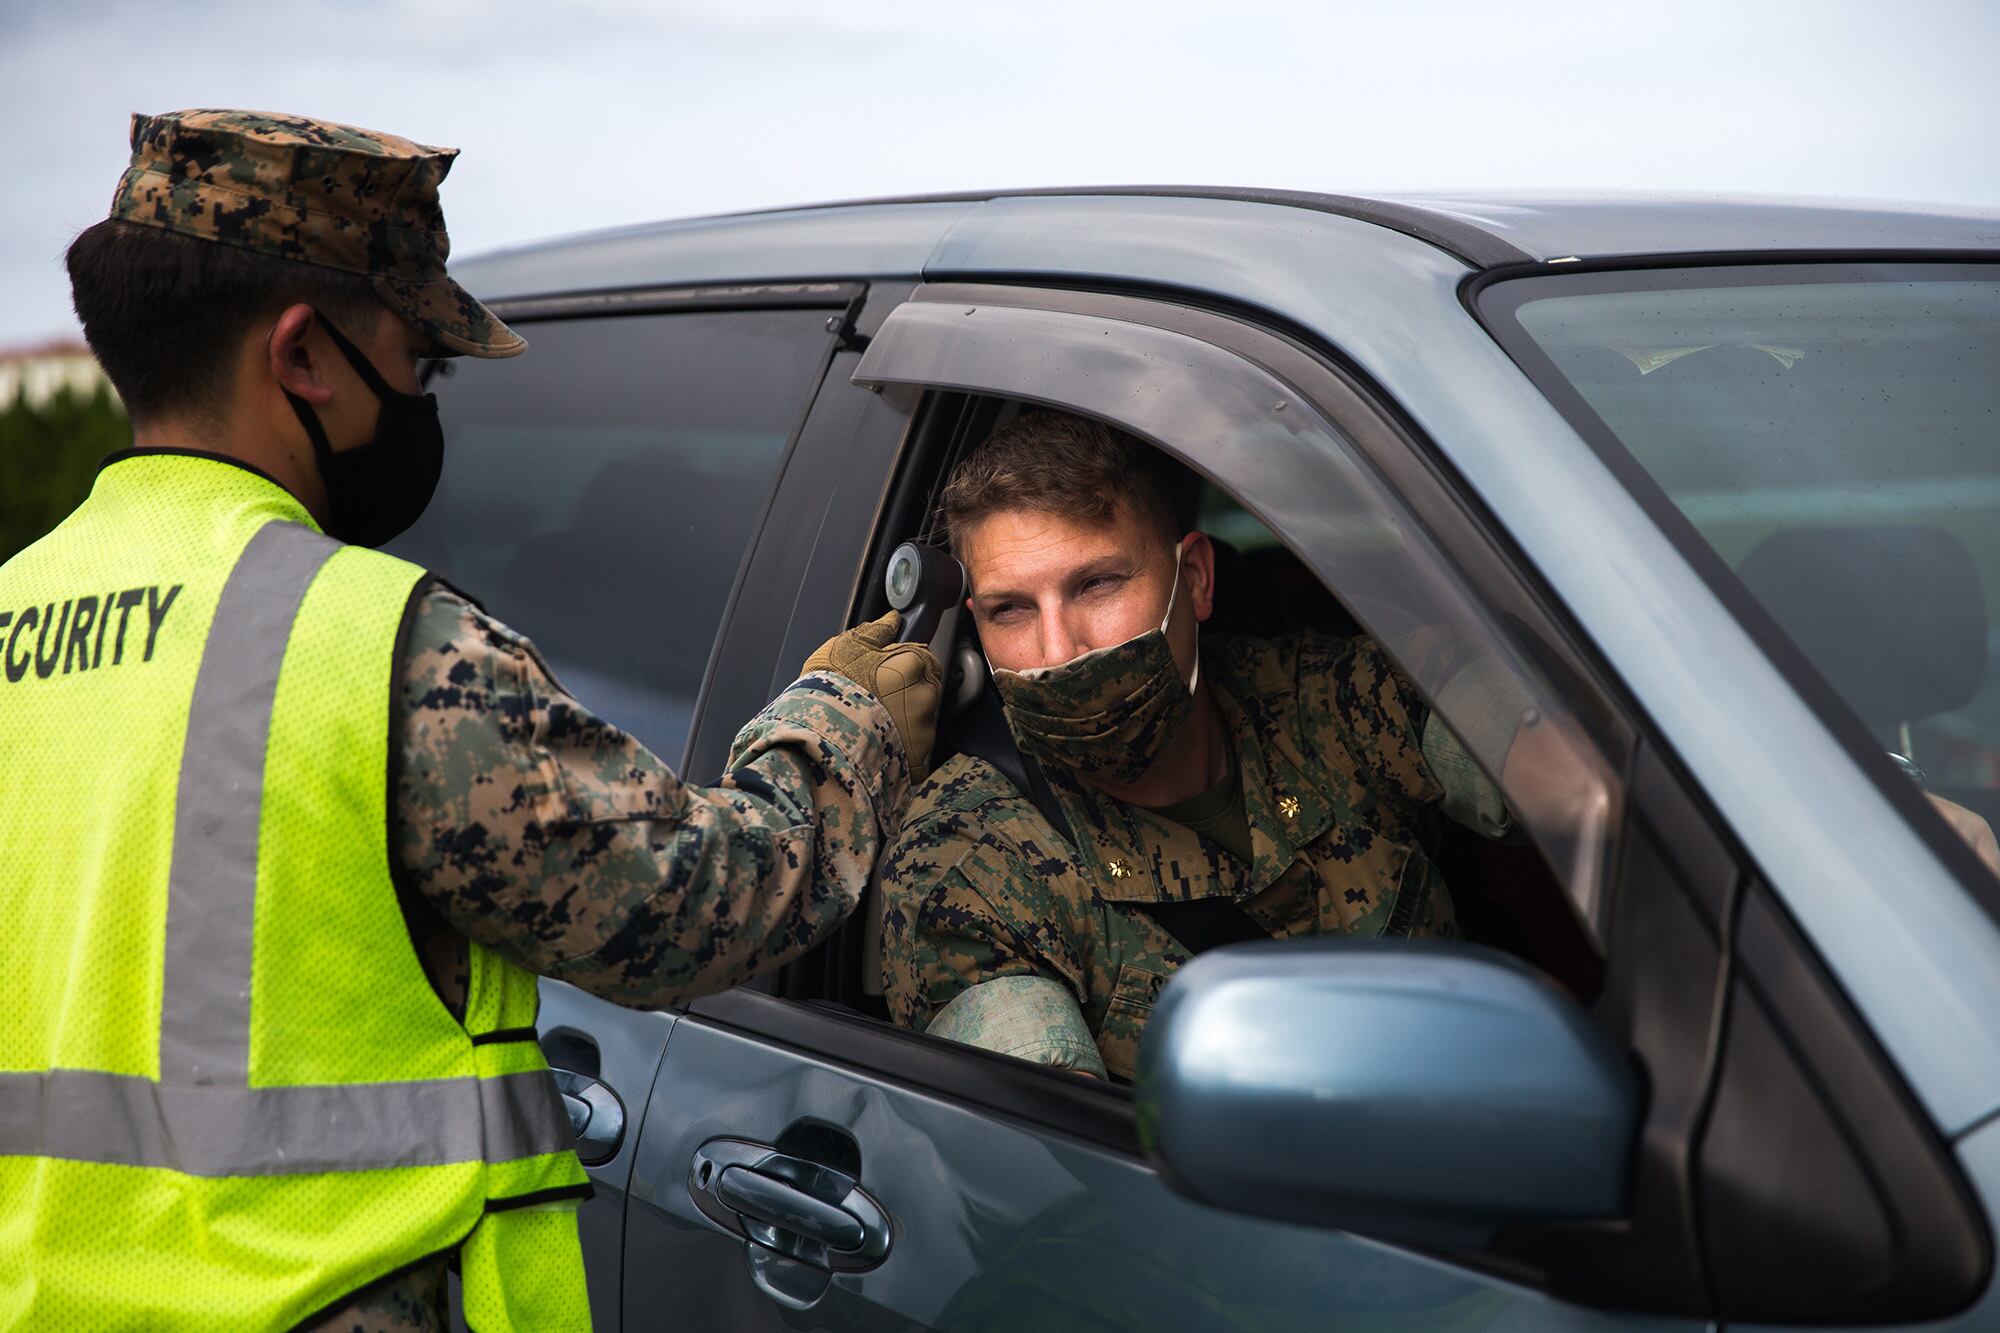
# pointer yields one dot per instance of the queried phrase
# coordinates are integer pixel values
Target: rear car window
(600, 491)
(1832, 434)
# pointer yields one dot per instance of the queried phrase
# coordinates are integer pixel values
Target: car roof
(898, 236)
(1556, 226)
(1491, 229)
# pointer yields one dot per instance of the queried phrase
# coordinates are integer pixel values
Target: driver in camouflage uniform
(262, 296)
(1293, 784)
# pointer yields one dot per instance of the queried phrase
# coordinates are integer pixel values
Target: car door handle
(797, 1208)
(596, 1116)
(790, 1209)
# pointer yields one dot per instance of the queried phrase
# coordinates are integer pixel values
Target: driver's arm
(975, 948)
(1028, 1017)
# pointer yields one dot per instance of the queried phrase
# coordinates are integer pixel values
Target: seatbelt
(981, 731)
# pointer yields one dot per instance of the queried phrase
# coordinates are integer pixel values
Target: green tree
(48, 456)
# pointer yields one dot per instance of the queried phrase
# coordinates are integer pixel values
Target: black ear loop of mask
(377, 489)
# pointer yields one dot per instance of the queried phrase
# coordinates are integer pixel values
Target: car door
(804, 1165)
(601, 495)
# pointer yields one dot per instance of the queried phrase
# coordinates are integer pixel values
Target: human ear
(296, 359)
(1198, 572)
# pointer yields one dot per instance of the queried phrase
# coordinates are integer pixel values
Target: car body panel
(1002, 1227)
(1296, 263)
(628, 1045)
(1978, 1152)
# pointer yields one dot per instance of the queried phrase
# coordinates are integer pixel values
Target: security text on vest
(76, 634)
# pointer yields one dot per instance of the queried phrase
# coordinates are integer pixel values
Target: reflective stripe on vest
(202, 1117)
(82, 1115)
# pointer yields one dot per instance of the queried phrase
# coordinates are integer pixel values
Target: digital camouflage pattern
(526, 822)
(415, 1302)
(1341, 806)
(1106, 715)
(318, 193)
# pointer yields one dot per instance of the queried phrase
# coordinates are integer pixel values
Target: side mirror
(1415, 1091)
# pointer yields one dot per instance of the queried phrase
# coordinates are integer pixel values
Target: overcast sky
(575, 115)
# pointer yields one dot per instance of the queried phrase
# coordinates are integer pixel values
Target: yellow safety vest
(229, 1097)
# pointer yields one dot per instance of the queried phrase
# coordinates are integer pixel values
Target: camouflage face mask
(1107, 714)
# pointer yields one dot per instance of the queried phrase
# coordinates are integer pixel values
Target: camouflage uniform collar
(1130, 854)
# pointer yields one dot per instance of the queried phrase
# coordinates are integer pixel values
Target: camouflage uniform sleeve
(1029, 1018)
(1487, 703)
(1356, 700)
(1375, 710)
(963, 905)
(552, 837)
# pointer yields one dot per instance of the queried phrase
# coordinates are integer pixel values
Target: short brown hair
(1058, 463)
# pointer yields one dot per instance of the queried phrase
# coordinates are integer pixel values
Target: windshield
(1832, 434)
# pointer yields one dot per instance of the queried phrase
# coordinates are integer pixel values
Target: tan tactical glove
(906, 677)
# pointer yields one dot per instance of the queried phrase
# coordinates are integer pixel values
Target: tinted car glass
(600, 490)
(1833, 434)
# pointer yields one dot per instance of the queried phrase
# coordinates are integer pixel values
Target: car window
(600, 490)
(1236, 420)
(1828, 432)
(1504, 892)
(1348, 777)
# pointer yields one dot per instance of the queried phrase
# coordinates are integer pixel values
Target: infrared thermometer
(928, 587)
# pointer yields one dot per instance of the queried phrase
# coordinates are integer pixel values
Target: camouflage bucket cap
(318, 193)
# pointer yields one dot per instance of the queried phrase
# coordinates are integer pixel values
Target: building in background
(37, 373)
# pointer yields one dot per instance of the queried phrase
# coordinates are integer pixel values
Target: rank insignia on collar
(1288, 806)
(1119, 870)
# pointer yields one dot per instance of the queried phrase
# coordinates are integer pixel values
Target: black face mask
(376, 490)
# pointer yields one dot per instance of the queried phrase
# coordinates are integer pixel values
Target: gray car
(1717, 484)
